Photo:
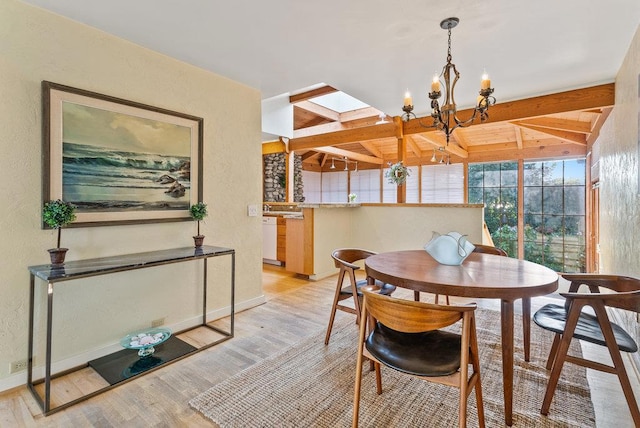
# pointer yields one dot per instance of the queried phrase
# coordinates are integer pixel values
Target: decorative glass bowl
(145, 340)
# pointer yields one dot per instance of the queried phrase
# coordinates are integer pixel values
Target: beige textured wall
(36, 45)
(619, 191)
(379, 229)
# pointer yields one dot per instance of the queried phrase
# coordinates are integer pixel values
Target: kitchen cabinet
(299, 246)
(281, 241)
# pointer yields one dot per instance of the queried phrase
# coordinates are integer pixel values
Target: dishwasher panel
(270, 239)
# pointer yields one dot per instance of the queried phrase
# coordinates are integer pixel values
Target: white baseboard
(20, 379)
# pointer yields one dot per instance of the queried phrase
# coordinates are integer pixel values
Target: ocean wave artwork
(96, 178)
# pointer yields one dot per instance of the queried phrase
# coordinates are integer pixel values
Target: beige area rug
(311, 385)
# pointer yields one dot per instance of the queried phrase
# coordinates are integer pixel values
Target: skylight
(339, 101)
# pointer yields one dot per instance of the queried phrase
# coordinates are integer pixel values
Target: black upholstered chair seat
(553, 317)
(385, 289)
(432, 353)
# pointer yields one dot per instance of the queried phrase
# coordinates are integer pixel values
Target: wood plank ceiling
(561, 125)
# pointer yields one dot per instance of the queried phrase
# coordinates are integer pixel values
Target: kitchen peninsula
(378, 227)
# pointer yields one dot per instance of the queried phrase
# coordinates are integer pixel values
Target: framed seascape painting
(118, 161)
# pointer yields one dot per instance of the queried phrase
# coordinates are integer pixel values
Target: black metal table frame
(103, 266)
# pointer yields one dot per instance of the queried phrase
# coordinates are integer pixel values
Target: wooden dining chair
(345, 259)
(405, 336)
(569, 321)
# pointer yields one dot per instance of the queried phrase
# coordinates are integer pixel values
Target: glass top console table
(42, 388)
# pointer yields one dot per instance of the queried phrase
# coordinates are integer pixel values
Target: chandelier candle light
(445, 118)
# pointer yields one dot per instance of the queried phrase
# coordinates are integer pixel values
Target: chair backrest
(627, 289)
(487, 249)
(409, 316)
(347, 257)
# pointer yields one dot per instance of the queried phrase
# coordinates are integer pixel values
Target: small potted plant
(198, 212)
(57, 214)
(397, 173)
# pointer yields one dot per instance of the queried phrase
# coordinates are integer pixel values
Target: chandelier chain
(449, 46)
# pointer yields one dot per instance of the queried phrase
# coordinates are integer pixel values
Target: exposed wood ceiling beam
(413, 146)
(568, 137)
(460, 136)
(343, 136)
(518, 133)
(350, 155)
(319, 130)
(529, 153)
(371, 148)
(598, 125)
(309, 155)
(326, 128)
(324, 90)
(579, 99)
(559, 124)
(436, 141)
(319, 110)
(361, 113)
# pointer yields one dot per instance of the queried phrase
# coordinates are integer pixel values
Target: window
(496, 185)
(334, 187)
(390, 190)
(554, 209)
(366, 184)
(413, 185)
(554, 214)
(442, 184)
(312, 186)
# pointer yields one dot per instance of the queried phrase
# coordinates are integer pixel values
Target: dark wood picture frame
(119, 161)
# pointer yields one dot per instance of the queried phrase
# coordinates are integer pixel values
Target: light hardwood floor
(295, 308)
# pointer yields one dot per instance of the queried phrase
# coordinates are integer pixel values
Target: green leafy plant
(57, 214)
(198, 212)
(397, 173)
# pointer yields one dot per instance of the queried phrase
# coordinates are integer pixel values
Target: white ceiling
(374, 50)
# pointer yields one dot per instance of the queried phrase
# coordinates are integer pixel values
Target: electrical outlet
(18, 366)
(252, 210)
(158, 322)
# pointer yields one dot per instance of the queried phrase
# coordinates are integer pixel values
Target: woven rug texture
(311, 385)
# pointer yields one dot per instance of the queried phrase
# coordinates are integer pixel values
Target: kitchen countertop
(282, 213)
(334, 205)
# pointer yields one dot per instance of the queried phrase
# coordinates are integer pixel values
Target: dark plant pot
(57, 255)
(198, 240)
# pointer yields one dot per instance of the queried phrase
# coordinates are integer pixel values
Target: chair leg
(553, 352)
(356, 394)
(378, 378)
(526, 326)
(475, 362)
(563, 348)
(354, 291)
(465, 355)
(358, 381)
(618, 363)
(336, 298)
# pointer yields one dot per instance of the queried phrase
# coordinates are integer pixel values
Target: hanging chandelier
(445, 117)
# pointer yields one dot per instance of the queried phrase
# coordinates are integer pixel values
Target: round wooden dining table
(479, 276)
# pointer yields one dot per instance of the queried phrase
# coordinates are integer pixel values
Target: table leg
(526, 326)
(506, 308)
